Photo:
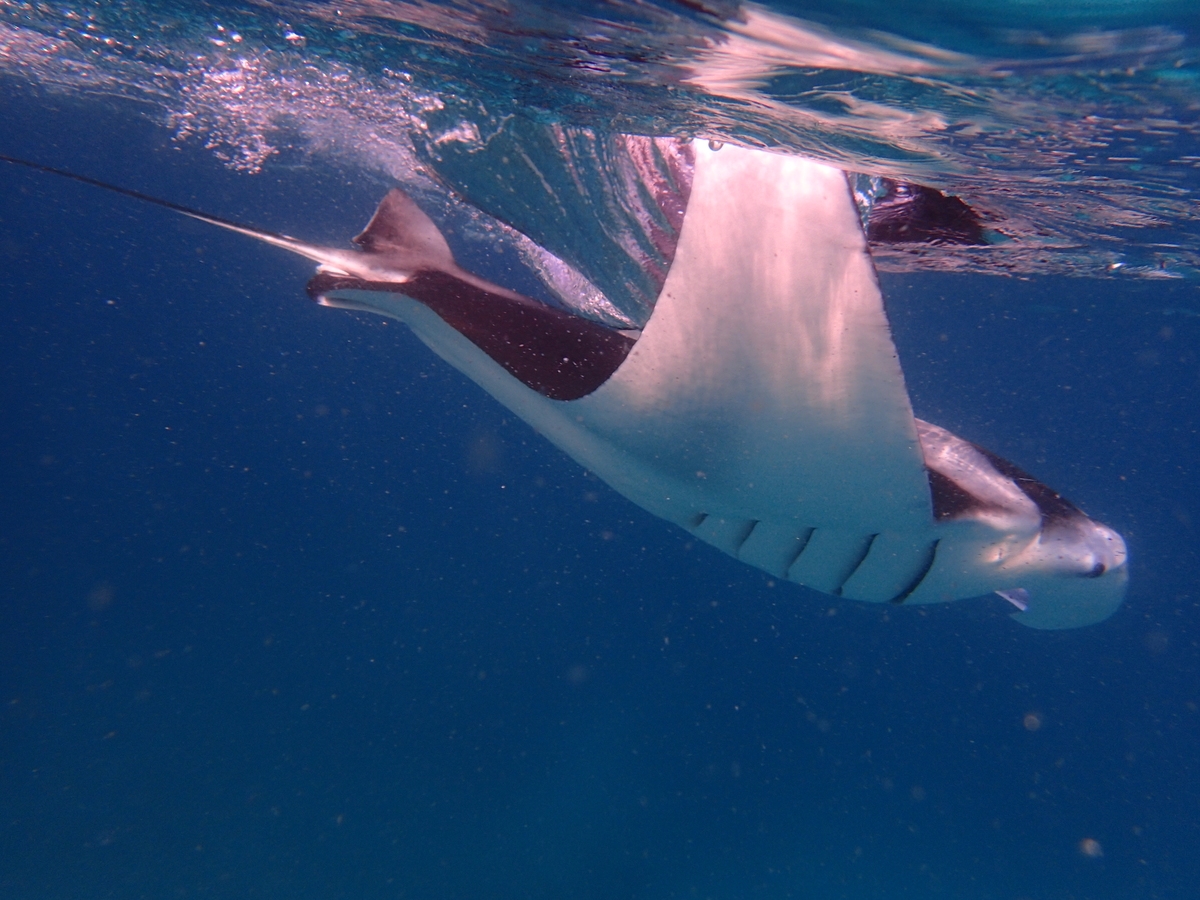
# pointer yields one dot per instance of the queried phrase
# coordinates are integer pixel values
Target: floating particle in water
(1090, 847)
(1032, 721)
(100, 597)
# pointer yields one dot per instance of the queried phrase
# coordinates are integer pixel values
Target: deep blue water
(291, 609)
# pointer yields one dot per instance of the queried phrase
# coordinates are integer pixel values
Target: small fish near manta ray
(762, 407)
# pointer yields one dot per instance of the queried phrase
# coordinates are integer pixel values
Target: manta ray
(761, 407)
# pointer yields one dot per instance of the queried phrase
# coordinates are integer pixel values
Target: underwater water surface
(292, 609)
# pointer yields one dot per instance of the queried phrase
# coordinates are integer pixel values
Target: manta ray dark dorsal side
(560, 355)
(557, 354)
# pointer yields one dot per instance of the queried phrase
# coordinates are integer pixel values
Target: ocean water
(291, 609)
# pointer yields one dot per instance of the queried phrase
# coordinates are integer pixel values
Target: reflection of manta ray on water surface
(762, 406)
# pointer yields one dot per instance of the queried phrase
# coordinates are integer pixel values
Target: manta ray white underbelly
(762, 407)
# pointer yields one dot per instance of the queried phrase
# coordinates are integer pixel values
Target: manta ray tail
(283, 241)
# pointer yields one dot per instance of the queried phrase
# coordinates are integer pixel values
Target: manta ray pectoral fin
(767, 365)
